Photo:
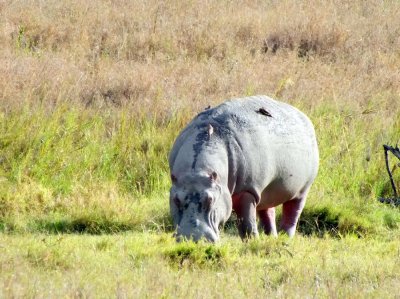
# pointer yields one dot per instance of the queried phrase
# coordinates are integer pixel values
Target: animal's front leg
(244, 205)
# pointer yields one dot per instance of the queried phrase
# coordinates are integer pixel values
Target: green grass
(63, 148)
(84, 211)
(73, 170)
(152, 265)
(82, 171)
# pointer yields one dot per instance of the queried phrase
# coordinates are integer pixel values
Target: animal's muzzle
(196, 235)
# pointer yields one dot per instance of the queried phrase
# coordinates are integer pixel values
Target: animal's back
(273, 137)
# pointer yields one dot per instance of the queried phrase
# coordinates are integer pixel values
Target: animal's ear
(173, 178)
(213, 176)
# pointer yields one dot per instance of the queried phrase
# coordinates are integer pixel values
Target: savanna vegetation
(92, 95)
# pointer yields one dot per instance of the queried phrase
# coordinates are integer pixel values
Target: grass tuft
(192, 255)
(80, 226)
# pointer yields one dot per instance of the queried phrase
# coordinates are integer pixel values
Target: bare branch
(395, 151)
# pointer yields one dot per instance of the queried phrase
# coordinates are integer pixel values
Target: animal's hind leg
(244, 205)
(291, 211)
(267, 218)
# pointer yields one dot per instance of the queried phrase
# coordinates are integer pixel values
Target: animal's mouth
(196, 235)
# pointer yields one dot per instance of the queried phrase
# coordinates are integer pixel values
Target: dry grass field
(92, 95)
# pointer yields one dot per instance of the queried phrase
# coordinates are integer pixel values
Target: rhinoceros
(248, 154)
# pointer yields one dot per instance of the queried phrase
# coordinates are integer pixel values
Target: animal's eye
(177, 201)
(173, 178)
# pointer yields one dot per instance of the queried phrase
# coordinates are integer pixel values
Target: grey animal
(250, 155)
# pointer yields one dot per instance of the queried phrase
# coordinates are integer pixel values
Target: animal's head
(199, 204)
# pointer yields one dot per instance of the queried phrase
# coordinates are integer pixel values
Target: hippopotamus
(248, 155)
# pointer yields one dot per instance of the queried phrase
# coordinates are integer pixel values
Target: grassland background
(92, 95)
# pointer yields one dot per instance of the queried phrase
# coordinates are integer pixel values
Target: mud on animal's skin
(201, 138)
(223, 121)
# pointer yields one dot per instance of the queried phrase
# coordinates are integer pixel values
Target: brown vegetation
(174, 55)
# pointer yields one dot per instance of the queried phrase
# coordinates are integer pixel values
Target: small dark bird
(208, 107)
(264, 112)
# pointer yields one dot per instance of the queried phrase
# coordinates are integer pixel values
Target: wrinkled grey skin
(236, 156)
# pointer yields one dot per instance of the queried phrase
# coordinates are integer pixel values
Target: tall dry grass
(171, 55)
